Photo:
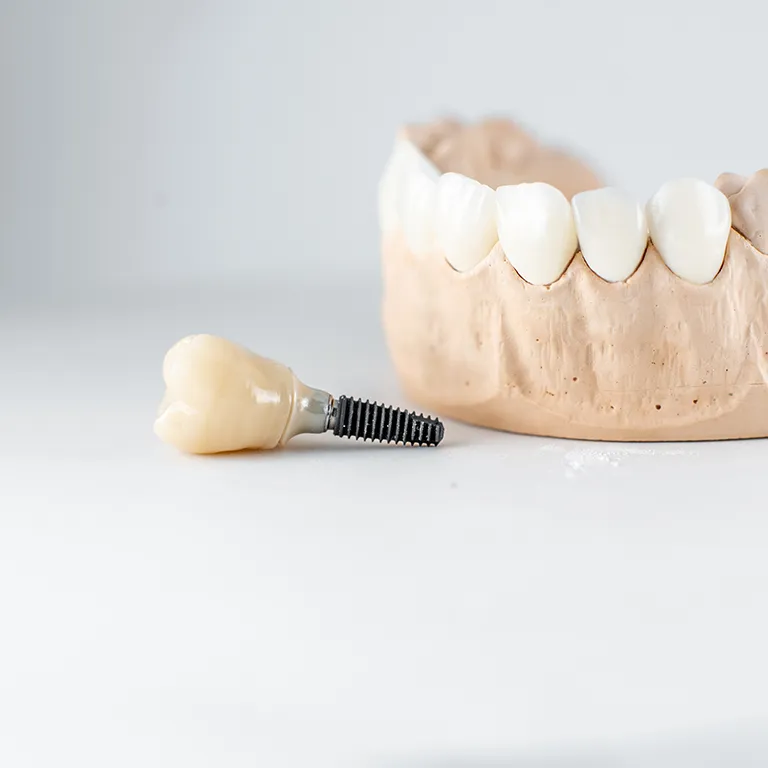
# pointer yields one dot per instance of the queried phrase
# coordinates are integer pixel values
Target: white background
(172, 167)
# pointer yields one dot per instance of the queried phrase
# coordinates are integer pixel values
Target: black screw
(351, 417)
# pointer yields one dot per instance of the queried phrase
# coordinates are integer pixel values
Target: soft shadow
(318, 447)
(352, 446)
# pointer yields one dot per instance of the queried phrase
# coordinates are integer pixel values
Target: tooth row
(540, 231)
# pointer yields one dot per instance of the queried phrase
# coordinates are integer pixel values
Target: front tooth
(417, 210)
(612, 232)
(536, 230)
(465, 220)
(689, 221)
(405, 158)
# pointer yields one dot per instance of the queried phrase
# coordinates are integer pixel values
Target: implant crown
(222, 397)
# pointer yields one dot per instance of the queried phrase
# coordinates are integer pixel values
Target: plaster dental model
(222, 397)
(520, 295)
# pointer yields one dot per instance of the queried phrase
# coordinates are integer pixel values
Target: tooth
(689, 221)
(417, 210)
(465, 220)
(536, 230)
(612, 232)
(405, 158)
(389, 221)
(222, 397)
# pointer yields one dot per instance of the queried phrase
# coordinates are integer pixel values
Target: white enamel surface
(689, 223)
(404, 161)
(465, 221)
(388, 216)
(612, 232)
(536, 230)
(417, 210)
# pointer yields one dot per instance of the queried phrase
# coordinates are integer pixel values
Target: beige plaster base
(652, 359)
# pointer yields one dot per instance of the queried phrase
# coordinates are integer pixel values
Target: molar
(536, 230)
(222, 397)
(612, 232)
(689, 222)
(465, 220)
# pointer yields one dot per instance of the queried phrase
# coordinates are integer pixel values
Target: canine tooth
(536, 230)
(405, 158)
(689, 221)
(465, 220)
(389, 220)
(612, 232)
(418, 210)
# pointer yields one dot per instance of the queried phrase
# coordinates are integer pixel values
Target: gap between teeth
(688, 221)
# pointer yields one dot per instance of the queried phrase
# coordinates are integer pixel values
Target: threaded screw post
(351, 417)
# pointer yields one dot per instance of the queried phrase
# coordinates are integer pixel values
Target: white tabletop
(500, 600)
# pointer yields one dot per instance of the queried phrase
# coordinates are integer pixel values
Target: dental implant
(373, 421)
(222, 397)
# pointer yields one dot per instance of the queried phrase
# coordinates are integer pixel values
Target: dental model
(222, 397)
(520, 294)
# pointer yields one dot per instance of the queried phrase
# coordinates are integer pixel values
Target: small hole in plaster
(658, 407)
(695, 401)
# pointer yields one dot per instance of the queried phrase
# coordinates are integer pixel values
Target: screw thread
(372, 421)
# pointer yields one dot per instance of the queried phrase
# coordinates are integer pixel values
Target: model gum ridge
(520, 294)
